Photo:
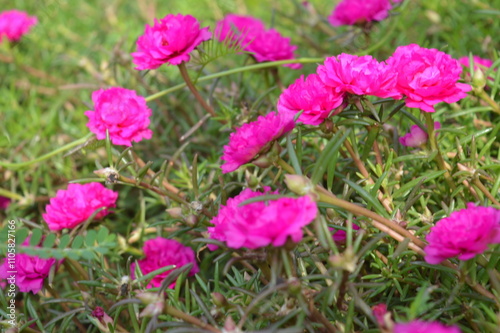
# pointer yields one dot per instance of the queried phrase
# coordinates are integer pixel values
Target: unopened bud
(252, 181)
(478, 81)
(346, 260)
(230, 326)
(294, 286)
(175, 212)
(110, 174)
(148, 298)
(219, 300)
(263, 162)
(191, 220)
(301, 185)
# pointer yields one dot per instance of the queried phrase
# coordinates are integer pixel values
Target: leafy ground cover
(359, 195)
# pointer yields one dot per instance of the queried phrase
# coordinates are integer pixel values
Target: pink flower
(238, 28)
(418, 326)
(359, 76)
(478, 62)
(379, 312)
(464, 233)
(160, 252)
(253, 139)
(427, 77)
(122, 112)
(31, 271)
(169, 40)
(340, 236)
(417, 137)
(350, 12)
(14, 24)
(4, 203)
(260, 224)
(250, 33)
(75, 205)
(311, 96)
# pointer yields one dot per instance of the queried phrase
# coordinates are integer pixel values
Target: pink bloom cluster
(350, 12)
(253, 139)
(31, 271)
(75, 205)
(417, 137)
(14, 24)
(160, 252)
(478, 62)
(465, 233)
(169, 40)
(418, 326)
(427, 77)
(313, 97)
(251, 35)
(260, 224)
(123, 113)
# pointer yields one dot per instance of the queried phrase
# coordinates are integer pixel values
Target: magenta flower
(260, 224)
(464, 233)
(253, 139)
(311, 96)
(4, 203)
(123, 113)
(418, 326)
(75, 205)
(339, 236)
(478, 62)
(239, 28)
(359, 76)
(160, 252)
(350, 12)
(417, 137)
(30, 271)
(14, 24)
(169, 40)
(427, 77)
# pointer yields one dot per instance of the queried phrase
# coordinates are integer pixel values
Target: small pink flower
(75, 205)
(478, 62)
(417, 137)
(465, 233)
(4, 203)
(239, 28)
(122, 112)
(418, 326)
(254, 138)
(14, 24)
(31, 271)
(427, 77)
(270, 45)
(160, 252)
(379, 312)
(350, 12)
(260, 224)
(311, 96)
(339, 236)
(359, 76)
(169, 40)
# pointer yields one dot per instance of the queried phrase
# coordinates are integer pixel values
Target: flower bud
(478, 81)
(175, 212)
(301, 185)
(110, 174)
(263, 161)
(346, 261)
(219, 300)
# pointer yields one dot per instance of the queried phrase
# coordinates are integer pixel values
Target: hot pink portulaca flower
(253, 139)
(75, 205)
(350, 12)
(14, 24)
(313, 97)
(123, 113)
(340, 236)
(260, 224)
(417, 137)
(418, 326)
(359, 76)
(31, 271)
(250, 33)
(478, 62)
(169, 40)
(160, 252)
(465, 233)
(427, 77)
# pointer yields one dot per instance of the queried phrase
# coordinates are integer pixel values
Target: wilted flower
(103, 317)
(350, 12)
(253, 139)
(417, 136)
(169, 40)
(14, 24)
(418, 326)
(311, 96)
(123, 113)
(239, 28)
(260, 224)
(31, 271)
(427, 77)
(160, 252)
(465, 233)
(76, 204)
(359, 76)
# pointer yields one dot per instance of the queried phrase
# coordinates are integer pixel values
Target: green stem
(10, 195)
(189, 319)
(62, 149)
(235, 71)
(485, 97)
(190, 85)
(483, 189)
(285, 166)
